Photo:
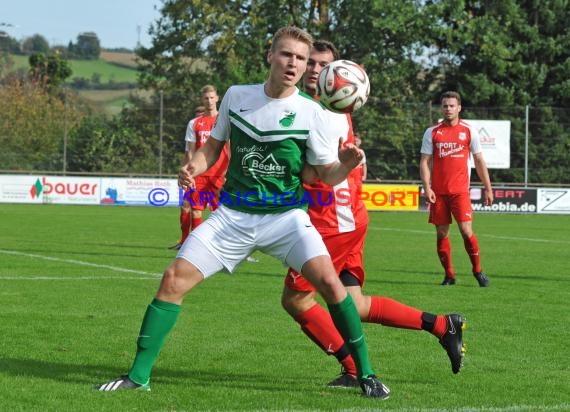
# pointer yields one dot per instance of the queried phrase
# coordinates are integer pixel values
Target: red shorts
(207, 192)
(346, 250)
(458, 205)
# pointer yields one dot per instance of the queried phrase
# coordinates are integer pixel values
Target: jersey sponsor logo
(254, 164)
(449, 149)
(287, 119)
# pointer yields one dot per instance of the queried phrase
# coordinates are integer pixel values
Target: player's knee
(290, 305)
(177, 280)
(295, 302)
(331, 288)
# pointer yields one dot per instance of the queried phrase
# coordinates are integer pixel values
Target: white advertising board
(496, 142)
(135, 191)
(555, 200)
(49, 189)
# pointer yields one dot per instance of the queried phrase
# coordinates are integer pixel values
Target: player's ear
(269, 57)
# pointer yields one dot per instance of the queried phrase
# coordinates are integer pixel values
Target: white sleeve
(427, 143)
(475, 145)
(222, 129)
(190, 136)
(322, 144)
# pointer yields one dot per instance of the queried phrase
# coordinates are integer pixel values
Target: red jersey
(450, 147)
(198, 131)
(339, 208)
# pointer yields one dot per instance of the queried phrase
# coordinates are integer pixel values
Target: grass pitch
(76, 280)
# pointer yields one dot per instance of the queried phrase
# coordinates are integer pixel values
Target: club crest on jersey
(462, 136)
(287, 119)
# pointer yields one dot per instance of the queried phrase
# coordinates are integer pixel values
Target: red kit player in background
(343, 229)
(208, 185)
(444, 170)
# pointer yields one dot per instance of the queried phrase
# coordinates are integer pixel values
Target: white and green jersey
(270, 139)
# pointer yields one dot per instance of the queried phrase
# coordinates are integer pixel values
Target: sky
(117, 23)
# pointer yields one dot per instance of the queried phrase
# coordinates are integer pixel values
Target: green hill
(109, 70)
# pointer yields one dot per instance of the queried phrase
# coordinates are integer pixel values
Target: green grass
(75, 282)
(109, 72)
(86, 68)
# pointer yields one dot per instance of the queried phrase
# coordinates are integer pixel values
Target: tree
(35, 44)
(88, 46)
(33, 124)
(9, 44)
(100, 144)
(513, 53)
(225, 42)
(49, 71)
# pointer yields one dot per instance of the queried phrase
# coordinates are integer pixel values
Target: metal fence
(539, 143)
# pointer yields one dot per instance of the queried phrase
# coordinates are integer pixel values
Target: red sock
(444, 252)
(196, 221)
(440, 326)
(318, 325)
(472, 248)
(185, 221)
(389, 312)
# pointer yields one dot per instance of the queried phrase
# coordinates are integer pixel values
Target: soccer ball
(343, 86)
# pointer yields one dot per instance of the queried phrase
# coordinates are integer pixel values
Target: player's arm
(190, 141)
(426, 164)
(425, 174)
(189, 152)
(202, 160)
(483, 173)
(349, 157)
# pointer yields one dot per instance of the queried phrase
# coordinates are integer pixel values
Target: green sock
(158, 321)
(347, 321)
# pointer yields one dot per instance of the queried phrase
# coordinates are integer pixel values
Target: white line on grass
(78, 262)
(71, 277)
(431, 232)
(509, 408)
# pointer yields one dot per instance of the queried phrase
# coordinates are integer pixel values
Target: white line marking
(432, 232)
(508, 408)
(79, 262)
(71, 277)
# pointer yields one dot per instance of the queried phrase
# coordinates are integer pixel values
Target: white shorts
(227, 237)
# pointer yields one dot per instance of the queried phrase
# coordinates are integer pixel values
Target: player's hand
(185, 177)
(430, 195)
(489, 197)
(349, 155)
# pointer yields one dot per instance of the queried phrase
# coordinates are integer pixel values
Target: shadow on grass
(92, 375)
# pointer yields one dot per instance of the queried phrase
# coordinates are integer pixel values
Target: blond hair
(207, 89)
(294, 33)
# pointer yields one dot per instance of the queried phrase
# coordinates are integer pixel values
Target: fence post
(64, 131)
(161, 121)
(526, 110)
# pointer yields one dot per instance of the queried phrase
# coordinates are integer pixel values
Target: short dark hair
(324, 46)
(450, 95)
